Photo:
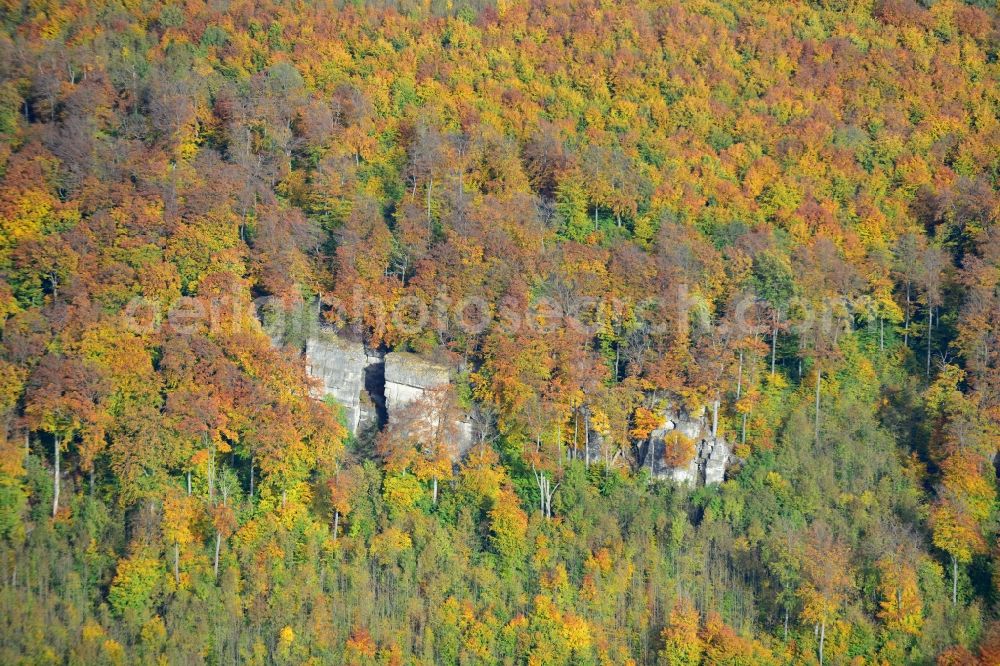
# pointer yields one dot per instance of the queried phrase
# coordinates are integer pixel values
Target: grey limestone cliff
(340, 367)
(408, 377)
(370, 387)
(712, 453)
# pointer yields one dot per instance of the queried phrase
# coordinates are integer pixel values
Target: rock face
(408, 377)
(712, 454)
(370, 387)
(340, 366)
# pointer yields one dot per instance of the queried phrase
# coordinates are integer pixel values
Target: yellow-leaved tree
(682, 646)
(827, 580)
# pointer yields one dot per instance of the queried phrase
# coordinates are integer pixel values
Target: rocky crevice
(372, 387)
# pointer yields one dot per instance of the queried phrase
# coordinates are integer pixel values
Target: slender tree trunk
(545, 497)
(549, 491)
(545, 491)
(786, 624)
(218, 546)
(774, 344)
(739, 378)
(906, 324)
(55, 476)
(743, 430)
(435, 500)
(715, 418)
(822, 638)
(930, 331)
(954, 580)
(189, 482)
(819, 379)
(559, 444)
(576, 434)
(586, 438)
(430, 186)
(336, 523)
(211, 476)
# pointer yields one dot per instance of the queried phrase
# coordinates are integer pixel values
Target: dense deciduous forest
(786, 214)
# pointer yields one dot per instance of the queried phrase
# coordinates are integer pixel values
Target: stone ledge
(412, 370)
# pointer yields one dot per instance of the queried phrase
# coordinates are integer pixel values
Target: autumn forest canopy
(756, 240)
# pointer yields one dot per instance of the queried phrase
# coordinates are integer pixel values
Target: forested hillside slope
(782, 215)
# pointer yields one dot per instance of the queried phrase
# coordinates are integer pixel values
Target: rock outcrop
(371, 387)
(408, 377)
(712, 454)
(340, 365)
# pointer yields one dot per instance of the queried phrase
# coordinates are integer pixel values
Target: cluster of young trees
(784, 214)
